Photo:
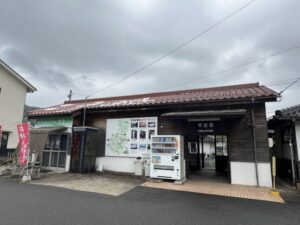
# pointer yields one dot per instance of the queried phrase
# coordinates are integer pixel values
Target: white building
(286, 126)
(13, 90)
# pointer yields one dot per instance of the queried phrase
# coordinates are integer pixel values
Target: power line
(274, 83)
(290, 85)
(279, 84)
(175, 49)
(238, 66)
(55, 100)
(281, 81)
(64, 97)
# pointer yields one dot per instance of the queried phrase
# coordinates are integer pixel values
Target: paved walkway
(105, 184)
(217, 188)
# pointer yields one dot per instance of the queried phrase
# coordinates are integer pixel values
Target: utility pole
(70, 95)
(84, 110)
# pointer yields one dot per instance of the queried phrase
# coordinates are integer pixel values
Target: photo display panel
(129, 137)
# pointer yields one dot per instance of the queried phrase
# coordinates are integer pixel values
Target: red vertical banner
(23, 131)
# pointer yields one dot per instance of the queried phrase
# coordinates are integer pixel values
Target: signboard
(54, 122)
(23, 131)
(129, 137)
(0, 135)
(206, 127)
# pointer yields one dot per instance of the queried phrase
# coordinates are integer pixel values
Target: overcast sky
(86, 45)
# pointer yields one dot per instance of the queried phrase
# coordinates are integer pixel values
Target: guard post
(274, 171)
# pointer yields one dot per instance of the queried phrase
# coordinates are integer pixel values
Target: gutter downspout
(254, 141)
(292, 153)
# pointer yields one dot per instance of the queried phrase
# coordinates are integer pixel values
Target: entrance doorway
(207, 152)
(55, 152)
(208, 155)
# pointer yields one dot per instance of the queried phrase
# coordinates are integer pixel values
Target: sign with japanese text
(206, 127)
(23, 132)
(54, 122)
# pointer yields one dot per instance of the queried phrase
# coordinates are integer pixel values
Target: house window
(193, 147)
(54, 154)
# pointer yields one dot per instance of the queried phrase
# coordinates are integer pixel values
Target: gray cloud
(86, 45)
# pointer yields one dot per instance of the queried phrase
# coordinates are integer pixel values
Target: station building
(224, 129)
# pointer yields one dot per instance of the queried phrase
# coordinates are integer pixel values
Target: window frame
(56, 150)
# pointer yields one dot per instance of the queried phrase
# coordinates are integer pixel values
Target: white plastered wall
(12, 101)
(115, 164)
(297, 128)
(244, 173)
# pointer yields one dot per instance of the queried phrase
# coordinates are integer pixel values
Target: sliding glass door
(55, 152)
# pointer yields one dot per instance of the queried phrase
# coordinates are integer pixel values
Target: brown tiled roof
(224, 93)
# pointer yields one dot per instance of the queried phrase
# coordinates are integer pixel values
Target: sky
(85, 46)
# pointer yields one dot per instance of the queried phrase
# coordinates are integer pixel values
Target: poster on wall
(129, 137)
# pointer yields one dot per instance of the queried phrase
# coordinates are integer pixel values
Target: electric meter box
(167, 157)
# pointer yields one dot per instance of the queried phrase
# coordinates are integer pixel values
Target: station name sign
(206, 127)
(53, 122)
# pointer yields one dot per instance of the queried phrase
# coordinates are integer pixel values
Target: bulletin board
(129, 137)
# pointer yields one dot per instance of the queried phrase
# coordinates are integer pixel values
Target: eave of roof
(29, 87)
(232, 112)
(47, 130)
(286, 117)
(289, 113)
(233, 93)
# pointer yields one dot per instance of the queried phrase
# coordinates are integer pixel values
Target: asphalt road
(42, 205)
